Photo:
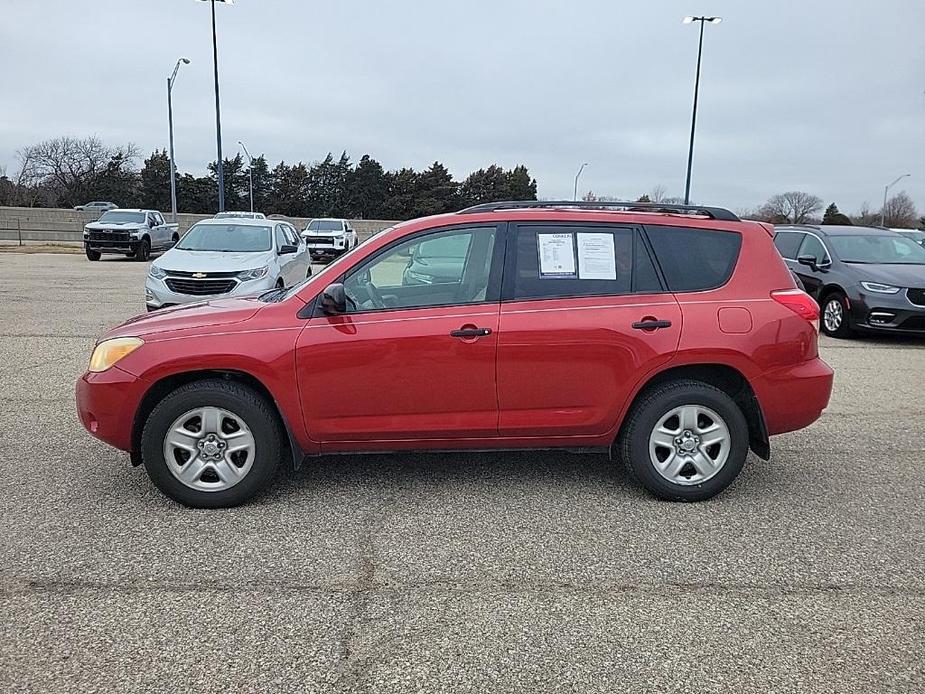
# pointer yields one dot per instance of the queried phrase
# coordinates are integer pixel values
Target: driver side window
(446, 268)
(813, 246)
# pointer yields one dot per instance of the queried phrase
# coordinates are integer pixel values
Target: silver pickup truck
(133, 233)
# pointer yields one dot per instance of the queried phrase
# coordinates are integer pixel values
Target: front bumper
(109, 246)
(159, 295)
(106, 405)
(887, 313)
(326, 251)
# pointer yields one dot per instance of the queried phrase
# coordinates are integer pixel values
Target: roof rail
(718, 213)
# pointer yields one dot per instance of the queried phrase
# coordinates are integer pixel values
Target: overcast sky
(825, 96)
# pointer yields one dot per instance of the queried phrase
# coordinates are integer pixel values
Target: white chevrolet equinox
(227, 257)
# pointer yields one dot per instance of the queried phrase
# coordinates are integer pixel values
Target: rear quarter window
(694, 259)
(788, 243)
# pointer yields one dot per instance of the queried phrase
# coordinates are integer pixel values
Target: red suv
(672, 337)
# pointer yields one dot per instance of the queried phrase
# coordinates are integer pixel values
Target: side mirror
(288, 250)
(808, 260)
(334, 300)
(151, 224)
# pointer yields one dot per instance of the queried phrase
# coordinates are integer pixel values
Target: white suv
(218, 258)
(329, 238)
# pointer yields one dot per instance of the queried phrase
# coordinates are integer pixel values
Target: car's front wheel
(143, 250)
(212, 444)
(835, 321)
(685, 441)
(91, 254)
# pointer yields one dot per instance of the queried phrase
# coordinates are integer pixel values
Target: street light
(575, 196)
(250, 172)
(220, 169)
(690, 153)
(173, 165)
(886, 191)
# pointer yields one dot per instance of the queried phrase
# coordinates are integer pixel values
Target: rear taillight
(800, 303)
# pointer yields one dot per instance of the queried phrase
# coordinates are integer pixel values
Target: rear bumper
(794, 397)
(106, 405)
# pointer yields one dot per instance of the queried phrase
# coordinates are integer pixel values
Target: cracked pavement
(520, 572)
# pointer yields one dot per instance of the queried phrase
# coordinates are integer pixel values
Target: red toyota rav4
(673, 338)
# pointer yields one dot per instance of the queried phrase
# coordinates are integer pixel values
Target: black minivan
(864, 278)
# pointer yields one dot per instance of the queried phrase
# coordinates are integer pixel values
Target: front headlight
(878, 288)
(157, 273)
(108, 352)
(255, 274)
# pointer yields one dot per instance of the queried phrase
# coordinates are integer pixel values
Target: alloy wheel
(833, 315)
(689, 445)
(209, 449)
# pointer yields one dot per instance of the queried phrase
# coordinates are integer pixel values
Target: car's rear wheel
(92, 255)
(835, 320)
(212, 444)
(685, 441)
(143, 251)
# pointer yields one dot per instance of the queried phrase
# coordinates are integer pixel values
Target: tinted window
(325, 225)
(447, 268)
(645, 279)
(226, 237)
(695, 259)
(788, 244)
(813, 246)
(878, 249)
(119, 217)
(565, 260)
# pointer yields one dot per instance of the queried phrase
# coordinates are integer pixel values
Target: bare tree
(900, 212)
(70, 167)
(658, 194)
(794, 207)
(866, 217)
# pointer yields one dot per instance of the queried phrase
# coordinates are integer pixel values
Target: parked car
(220, 258)
(240, 215)
(97, 206)
(133, 233)
(329, 238)
(675, 341)
(864, 278)
(916, 235)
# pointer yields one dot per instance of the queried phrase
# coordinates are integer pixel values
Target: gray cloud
(816, 95)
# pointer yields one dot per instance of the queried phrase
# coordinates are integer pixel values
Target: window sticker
(557, 255)
(596, 257)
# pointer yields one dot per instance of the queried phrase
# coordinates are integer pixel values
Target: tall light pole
(250, 172)
(690, 153)
(575, 196)
(886, 192)
(220, 168)
(173, 165)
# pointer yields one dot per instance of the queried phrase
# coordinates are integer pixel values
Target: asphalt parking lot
(459, 573)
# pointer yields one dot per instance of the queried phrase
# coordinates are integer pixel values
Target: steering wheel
(374, 296)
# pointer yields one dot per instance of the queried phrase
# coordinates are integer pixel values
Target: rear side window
(695, 259)
(571, 261)
(787, 244)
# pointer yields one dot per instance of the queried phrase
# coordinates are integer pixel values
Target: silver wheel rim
(833, 315)
(209, 449)
(689, 445)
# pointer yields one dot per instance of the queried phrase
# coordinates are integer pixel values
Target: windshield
(884, 249)
(325, 225)
(117, 217)
(226, 237)
(240, 215)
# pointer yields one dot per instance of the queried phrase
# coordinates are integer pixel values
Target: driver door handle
(471, 332)
(651, 324)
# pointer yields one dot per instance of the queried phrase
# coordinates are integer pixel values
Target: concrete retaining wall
(53, 225)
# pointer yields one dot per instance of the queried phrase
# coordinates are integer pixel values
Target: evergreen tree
(643, 198)
(366, 189)
(435, 192)
(290, 192)
(197, 195)
(400, 197)
(522, 187)
(154, 191)
(833, 216)
(485, 185)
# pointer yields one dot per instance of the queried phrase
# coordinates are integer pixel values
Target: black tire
(143, 251)
(92, 255)
(280, 284)
(646, 413)
(260, 417)
(839, 305)
(175, 239)
(130, 254)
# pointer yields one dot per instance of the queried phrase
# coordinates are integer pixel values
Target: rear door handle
(471, 332)
(651, 324)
